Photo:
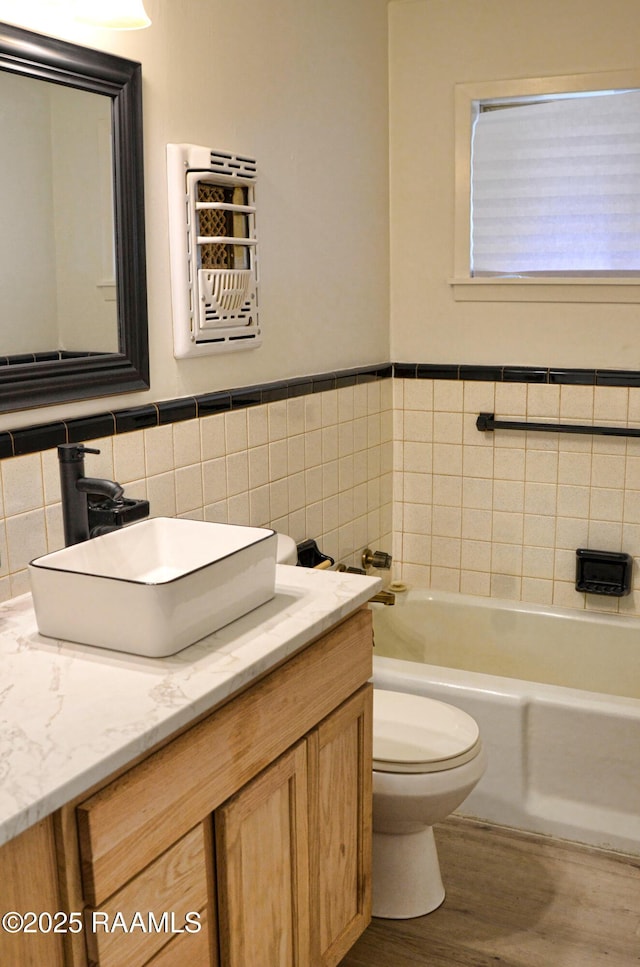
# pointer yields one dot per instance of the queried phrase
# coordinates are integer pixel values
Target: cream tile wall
(502, 514)
(314, 466)
(401, 467)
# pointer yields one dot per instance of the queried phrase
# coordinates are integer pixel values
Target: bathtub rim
(508, 604)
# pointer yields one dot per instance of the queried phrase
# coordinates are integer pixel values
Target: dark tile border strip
(33, 439)
(519, 374)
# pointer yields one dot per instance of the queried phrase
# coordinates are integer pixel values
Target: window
(548, 189)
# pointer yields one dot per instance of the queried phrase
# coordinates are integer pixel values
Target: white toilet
(427, 757)
(286, 550)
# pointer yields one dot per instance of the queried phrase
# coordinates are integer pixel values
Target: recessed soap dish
(603, 572)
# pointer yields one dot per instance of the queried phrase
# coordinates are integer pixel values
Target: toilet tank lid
(286, 550)
(413, 729)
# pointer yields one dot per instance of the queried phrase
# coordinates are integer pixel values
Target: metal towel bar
(487, 421)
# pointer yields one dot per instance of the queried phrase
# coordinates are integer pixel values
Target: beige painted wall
(435, 44)
(302, 86)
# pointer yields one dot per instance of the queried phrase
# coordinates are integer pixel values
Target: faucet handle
(378, 559)
(73, 452)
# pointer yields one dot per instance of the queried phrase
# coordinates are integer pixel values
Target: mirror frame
(25, 385)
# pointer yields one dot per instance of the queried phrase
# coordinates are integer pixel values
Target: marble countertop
(70, 715)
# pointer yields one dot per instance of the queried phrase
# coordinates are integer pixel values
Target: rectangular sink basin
(154, 587)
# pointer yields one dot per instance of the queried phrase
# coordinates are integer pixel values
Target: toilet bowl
(427, 757)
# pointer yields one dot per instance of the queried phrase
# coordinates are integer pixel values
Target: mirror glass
(73, 314)
(57, 267)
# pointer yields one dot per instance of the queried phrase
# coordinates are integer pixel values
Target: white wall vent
(213, 246)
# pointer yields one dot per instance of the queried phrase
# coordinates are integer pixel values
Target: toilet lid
(412, 733)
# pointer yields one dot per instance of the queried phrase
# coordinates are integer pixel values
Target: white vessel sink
(154, 587)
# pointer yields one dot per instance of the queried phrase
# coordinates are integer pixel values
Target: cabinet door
(28, 885)
(262, 863)
(340, 828)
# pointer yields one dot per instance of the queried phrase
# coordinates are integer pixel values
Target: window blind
(555, 187)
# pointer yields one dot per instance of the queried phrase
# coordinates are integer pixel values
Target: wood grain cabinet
(28, 885)
(341, 828)
(293, 850)
(244, 840)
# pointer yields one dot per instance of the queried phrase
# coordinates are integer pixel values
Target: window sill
(545, 290)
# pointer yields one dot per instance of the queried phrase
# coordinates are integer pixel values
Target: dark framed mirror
(73, 294)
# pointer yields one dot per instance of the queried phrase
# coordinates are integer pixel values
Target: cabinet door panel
(341, 828)
(263, 868)
(28, 884)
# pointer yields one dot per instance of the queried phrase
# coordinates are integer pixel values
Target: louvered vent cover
(214, 257)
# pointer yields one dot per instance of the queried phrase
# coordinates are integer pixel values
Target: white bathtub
(556, 694)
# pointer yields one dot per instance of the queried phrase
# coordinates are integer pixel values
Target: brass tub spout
(383, 597)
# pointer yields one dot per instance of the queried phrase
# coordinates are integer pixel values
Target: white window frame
(468, 288)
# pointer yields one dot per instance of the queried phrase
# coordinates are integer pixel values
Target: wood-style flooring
(516, 900)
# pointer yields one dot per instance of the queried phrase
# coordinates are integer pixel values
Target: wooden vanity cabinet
(257, 818)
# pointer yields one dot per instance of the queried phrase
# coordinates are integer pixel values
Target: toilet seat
(412, 733)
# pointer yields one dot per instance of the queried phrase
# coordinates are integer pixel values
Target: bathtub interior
(556, 646)
(563, 761)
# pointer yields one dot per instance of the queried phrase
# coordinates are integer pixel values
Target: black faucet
(83, 518)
